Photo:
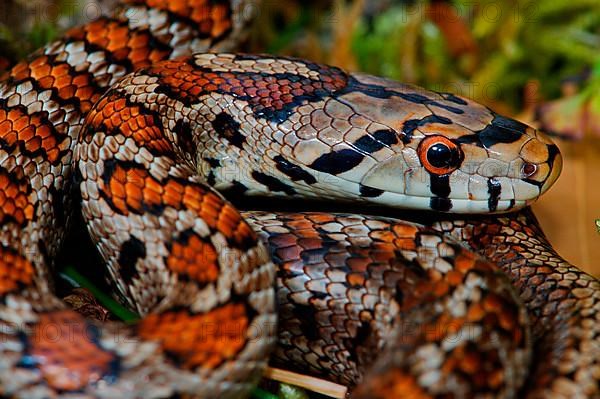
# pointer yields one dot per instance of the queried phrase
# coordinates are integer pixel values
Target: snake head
(454, 155)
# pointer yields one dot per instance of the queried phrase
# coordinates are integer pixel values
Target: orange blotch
(125, 189)
(393, 383)
(29, 132)
(454, 278)
(196, 259)
(203, 340)
(443, 327)
(68, 359)
(59, 75)
(15, 271)
(120, 41)
(356, 279)
(210, 17)
(231, 224)
(383, 235)
(405, 231)
(113, 113)
(14, 199)
(464, 262)
(407, 244)
(133, 188)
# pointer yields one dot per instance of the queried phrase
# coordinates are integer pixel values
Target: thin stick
(310, 383)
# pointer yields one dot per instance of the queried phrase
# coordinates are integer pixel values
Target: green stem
(262, 394)
(113, 306)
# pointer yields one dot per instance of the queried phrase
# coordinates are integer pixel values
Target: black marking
(453, 98)
(59, 199)
(494, 190)
(213, 162)
(381, 92)
(399, 296)
(211, 179)
(27, 361)
(413, 265)
(360, 340)
(440, 204)
(306, 314)
(293, 171)
(43, 247)
(376, 141)
(272, 183)
(412, 124)
(229, 128)
(236, 189)
(370, 192)
(317, 255)
(553, 152)
(368, 144)
(337, 162)
(386, 136)
(92, 332)
(508, 123)
(440, 185)
(131, 251)
(109, 169)
(469, 139)
(183, 131)
(500, 130)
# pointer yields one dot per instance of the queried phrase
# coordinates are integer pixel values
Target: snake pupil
(440, 156)
(529, 169)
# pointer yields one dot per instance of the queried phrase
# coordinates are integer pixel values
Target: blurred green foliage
(485, 49)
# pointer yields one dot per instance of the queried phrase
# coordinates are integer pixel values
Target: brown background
(569, 210)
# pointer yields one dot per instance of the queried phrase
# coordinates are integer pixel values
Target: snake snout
(541, 162)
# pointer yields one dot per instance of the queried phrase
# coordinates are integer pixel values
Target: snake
(147, 123)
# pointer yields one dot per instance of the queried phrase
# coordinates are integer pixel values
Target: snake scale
(393, 308)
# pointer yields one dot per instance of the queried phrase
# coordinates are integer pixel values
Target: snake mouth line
(470, 200)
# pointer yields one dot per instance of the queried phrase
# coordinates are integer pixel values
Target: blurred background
(537, 61)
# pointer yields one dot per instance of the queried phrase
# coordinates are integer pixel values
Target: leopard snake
(390, 307)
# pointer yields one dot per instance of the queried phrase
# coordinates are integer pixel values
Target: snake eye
(528, 169)
(439, 155)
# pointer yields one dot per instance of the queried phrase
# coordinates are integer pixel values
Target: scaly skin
(149, 156)
(400, 301)
(48, 351)
(563, 301)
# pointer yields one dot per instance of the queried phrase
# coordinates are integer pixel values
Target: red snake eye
(439, 155)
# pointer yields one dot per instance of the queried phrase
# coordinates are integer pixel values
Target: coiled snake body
(400, 309)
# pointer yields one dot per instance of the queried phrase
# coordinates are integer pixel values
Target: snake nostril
(528, 169)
